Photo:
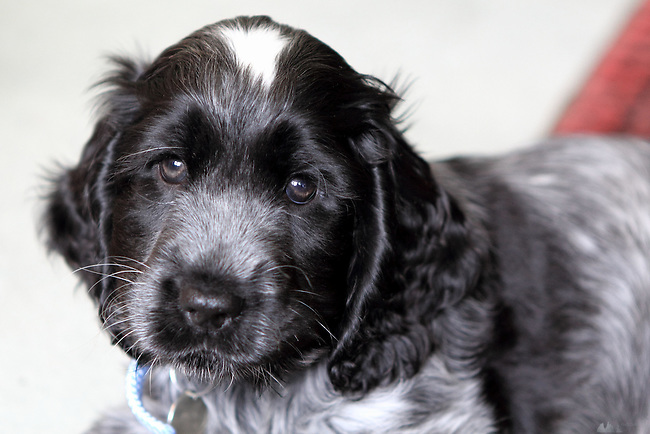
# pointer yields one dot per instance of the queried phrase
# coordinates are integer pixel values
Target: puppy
(248, 216)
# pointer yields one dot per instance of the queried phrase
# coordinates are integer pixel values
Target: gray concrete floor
(487, 76)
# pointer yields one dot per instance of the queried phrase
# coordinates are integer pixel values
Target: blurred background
(486, 76)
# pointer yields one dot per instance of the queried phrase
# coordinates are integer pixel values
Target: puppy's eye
(300, 190)
(173, 170)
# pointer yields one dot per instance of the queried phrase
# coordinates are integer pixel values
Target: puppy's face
(239, 230)
(218, 200)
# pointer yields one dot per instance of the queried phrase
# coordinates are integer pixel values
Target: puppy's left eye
(173, 170)
(300, 190)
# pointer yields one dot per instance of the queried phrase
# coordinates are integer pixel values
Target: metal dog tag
(188, 415)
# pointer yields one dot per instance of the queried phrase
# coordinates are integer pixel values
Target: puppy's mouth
(208, 347)
(217, 335)
(210, 337)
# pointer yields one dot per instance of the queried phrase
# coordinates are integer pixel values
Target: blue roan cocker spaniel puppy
(259, 236)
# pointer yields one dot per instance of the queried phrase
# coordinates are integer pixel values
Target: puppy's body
(569, 220)
(261, 224)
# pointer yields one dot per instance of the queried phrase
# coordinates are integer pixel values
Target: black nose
(208, 309)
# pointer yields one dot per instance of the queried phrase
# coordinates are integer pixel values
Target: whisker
(268, 372)
(126, 335)
(126, 158)
(294, 267)
(126, 258)
(116, 275)
(89, 268)
(145, 198)
(308, 292)
(317, 319)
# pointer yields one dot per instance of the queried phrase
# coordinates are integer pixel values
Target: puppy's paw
(377, 361)
(357, 371)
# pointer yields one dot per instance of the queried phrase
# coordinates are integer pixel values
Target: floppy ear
(77, 216)
(74, 210)
(415, 256)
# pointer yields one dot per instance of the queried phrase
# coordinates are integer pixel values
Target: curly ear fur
(75, 206)
(77, 217)
(416, 259)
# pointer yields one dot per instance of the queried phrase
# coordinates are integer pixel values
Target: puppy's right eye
(300, 191)
(173, 170)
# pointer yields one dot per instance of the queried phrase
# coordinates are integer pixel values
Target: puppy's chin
(209, 367)
(234, 353)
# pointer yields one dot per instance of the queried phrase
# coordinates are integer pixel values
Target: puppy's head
(231, 213)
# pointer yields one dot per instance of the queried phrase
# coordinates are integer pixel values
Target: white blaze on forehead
(256, 50)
